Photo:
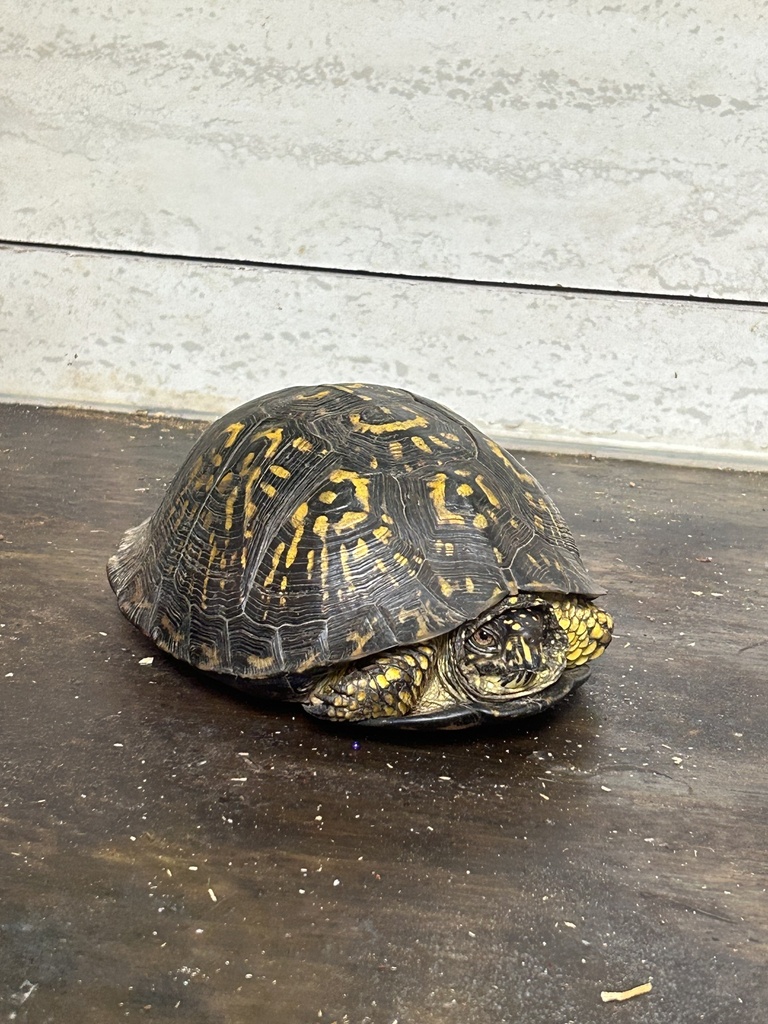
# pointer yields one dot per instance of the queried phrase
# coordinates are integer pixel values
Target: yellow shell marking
(302, 444)
(464, 490)
(436, 487)
(233, 431)
(313, 394)
(181, 511)
(274, 437)
(418, 615)
(438, 441)
(195, 473)
(499, 453)
(212, 556)
(268, 489)
(278, 554)
(382, 533)
(349, 521)
(209, 657)
(390, 427)
(361, 549)
(492, 498)
(421, 444)
(230, 509)
(345, 569)
(324, 570)
(250, 483)
(297, 522)
(259, 664)
(360, 640)
(320, 527)
(225, 482)
(280, 471)
(480, 522)
(360, 484)
(170, 628)
(396, 449)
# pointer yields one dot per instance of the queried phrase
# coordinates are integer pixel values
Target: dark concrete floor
(171, 852)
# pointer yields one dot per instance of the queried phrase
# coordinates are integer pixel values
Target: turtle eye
(484, 638)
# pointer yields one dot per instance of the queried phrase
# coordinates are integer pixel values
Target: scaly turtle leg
(385, 686)
(587, 627)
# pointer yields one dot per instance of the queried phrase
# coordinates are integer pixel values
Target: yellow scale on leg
(588, 628)
(381, 687)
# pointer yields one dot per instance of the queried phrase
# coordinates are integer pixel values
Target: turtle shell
(318, 525)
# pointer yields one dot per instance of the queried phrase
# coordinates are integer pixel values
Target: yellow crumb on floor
(630, 993)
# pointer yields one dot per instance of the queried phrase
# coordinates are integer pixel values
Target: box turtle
(366, 553)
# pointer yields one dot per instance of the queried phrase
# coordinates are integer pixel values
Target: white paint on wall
(553, 370)
(610, 146)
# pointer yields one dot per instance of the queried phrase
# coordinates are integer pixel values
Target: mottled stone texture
(618, 147)
(659, 377)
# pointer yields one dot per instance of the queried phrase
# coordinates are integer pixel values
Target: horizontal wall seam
(6, 243)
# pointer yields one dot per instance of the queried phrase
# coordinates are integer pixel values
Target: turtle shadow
(572, 710)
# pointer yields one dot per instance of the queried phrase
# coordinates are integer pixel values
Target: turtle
(369, 554)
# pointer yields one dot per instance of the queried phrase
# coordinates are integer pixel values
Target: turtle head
(515, 648)
(518, 657)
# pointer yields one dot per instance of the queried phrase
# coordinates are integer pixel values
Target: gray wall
(618, 154)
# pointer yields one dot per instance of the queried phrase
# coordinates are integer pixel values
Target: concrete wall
(620, 151)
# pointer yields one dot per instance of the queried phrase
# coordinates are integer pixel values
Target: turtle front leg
(383, 686)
